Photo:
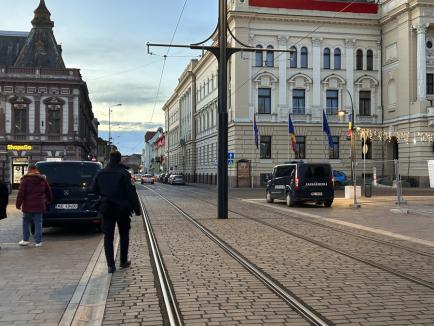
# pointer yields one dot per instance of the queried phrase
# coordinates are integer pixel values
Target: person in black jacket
(4, 198)
(118, 200)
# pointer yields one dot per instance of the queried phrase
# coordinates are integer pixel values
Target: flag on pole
(326, 129)
(291, 132)
(255, 132)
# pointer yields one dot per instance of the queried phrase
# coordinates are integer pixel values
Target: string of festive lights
(403, 137)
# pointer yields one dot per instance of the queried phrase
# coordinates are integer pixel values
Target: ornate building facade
(45, 110)
(373, 58)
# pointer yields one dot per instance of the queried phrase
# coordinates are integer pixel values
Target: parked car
(177, 179)
(166, 178)
(147, 178)
(161, 177)
(301, 182)
(73, 200)
(340, 178)
(170, 179)
(137, 177)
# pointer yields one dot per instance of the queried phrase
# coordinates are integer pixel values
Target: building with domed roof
(45, 110)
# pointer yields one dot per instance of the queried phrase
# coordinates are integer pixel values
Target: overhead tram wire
(165, 58)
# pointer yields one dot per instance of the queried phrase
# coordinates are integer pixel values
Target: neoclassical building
(374, 59)
(45, 110)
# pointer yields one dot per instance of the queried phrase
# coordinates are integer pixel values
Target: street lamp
(110, 135)
(342, 113)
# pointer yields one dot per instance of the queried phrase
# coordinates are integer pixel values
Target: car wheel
(289, 201)
(328, 203)
(269, 198)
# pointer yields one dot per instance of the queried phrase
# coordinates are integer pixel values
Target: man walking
(33, 196)
(118, 200)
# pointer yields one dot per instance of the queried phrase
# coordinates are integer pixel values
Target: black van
(73, 200)
(301, 182)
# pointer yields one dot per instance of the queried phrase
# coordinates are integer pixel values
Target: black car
(301, 182)
(73, 200)
(166, 177)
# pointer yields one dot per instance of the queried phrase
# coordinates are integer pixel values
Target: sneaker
(111, 270)
(23, 243)
(38, 244)
(125, 264)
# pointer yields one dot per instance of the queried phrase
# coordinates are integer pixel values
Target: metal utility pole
(222, 53)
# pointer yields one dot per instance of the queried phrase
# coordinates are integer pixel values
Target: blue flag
(326, 129)
(255, 131)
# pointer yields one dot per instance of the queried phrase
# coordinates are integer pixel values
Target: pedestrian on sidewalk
(33, 196)
(118, 200)
(4, 199)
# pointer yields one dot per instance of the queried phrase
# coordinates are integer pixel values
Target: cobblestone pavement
(36, 284)
(344, 290)
(132, 298)
(211, 288)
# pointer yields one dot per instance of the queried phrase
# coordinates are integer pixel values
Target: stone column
(421, 62)
(283, 99)
(316, 101)
(349, 49)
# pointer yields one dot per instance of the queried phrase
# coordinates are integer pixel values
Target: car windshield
(284, 171)
(315, 171)
(69, 174)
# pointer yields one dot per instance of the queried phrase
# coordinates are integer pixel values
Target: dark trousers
(109, 222)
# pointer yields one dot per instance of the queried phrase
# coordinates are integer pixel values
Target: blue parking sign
(231, 158)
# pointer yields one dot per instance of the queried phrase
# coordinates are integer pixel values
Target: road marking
(353, 225)
(88, 302)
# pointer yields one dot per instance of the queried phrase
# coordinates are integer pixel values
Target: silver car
(177, 179)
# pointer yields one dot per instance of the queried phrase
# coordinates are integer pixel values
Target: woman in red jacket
(32, 198)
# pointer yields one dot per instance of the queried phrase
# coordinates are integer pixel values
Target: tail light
(296, 184)
(331, 181)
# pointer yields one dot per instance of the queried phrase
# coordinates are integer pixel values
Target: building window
(259, 58)
(326, 58)
(293, 57)
(265, 147)
(365, 103)
(369, 60)
(270, 57)
(337, 57)
(430, 84)
(264, 101)
(359, 60)
(298, 101)
(54, 119)
(20, 118)
(303, 58)
(301, 147)
(369, 148)
(334, 151)
(332, 102)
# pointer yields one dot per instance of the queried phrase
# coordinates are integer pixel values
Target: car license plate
(316, 193)
(66, 206)
(279, 187)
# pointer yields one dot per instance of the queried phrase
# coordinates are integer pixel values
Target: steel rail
(172, 310)
(309, 314)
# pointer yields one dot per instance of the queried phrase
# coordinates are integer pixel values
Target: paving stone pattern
(343, 290)
(36, 284)
(132, 298)
(211, 287)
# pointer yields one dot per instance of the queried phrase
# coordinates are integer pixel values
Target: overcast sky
(106, 39)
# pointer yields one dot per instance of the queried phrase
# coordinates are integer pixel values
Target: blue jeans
(37, 220)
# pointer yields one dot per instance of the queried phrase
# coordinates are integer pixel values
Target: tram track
(382, 267)
(305, 311)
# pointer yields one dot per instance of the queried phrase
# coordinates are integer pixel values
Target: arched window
(20, 112)
(270, 57)
(303, 58)
(337, 63)
(369, 60)
(259, 59)
(359, 60)
(293, 57)
(326, 58)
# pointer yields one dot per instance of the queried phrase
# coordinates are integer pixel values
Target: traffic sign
(231, 158)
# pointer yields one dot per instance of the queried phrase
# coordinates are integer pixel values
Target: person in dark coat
(118, 200)
(4, 199)
(33, 196)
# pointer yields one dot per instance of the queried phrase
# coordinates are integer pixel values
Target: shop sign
(20, 160)
(19, 148)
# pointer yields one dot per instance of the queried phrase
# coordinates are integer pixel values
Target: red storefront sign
(321, 5)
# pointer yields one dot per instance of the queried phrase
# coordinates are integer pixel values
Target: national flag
(326, 129)
(255, 132)
(291, 132)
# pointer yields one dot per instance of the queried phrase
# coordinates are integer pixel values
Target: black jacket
(4, 197)
(117, 193)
